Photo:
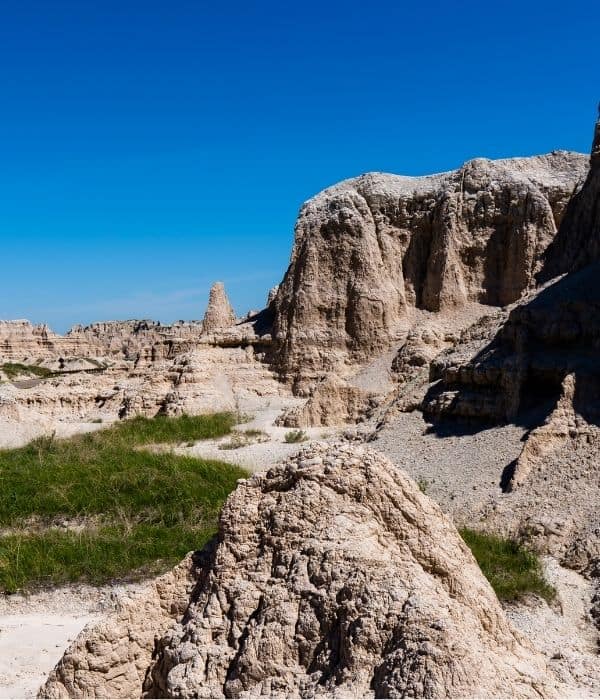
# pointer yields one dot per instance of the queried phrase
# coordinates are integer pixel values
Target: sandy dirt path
(31, 645)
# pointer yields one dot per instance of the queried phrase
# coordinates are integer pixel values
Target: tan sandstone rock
(219, 312)
(110, 659)
(369, 250)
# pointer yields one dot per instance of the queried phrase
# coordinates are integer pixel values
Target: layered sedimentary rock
(142, 342)
(369, 250)
(333, 575)
(21, 341)
(536, 364)
(524, 360)
(219, 312)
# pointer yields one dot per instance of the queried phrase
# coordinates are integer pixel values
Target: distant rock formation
(369, 250)
(332, 576)
(141, 341)
(21, 341)
(219, 312)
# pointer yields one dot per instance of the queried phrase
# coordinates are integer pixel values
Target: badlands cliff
(369, 251)
(535, 364)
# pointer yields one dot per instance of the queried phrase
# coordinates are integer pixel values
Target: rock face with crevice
(552, 334)
(369, 250)
(578, 241)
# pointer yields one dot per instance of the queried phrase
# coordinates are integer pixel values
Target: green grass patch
(511, 569)
(144, 509)
(113, 552)
(15, 369)
(145, 431)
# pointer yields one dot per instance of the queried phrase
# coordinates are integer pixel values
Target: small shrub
(512, 570)
(254, 433)
(295, 436)
(96, 420)
(241, 439)
(423, 484)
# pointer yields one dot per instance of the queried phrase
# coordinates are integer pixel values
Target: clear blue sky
(149, 148)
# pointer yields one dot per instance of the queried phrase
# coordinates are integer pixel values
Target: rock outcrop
(578, 241)
(332, 576)
(21, 341)
(535, 365)
(335, 576)
(334, 402)
(219, 312)
(369, 250)
(523, 366)
(109, 660)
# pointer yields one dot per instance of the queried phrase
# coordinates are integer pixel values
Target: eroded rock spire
(219, 312)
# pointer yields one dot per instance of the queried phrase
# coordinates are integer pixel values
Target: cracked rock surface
(334, 576)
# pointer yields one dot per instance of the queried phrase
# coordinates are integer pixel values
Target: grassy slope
(16, 369)
(511, 570)
(141, 512)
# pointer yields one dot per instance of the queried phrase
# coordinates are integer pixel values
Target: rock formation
(369, 250)
(332, 576)
(334, 402)
(20, 341)
(219, 312)
(142, 342)
(109, 659)
(578, 241)
(535, 364)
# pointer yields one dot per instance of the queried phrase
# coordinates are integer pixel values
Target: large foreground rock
(332, 576)
(370, 250)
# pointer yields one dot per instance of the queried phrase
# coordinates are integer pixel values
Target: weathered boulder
(335, 576)
(369, 250)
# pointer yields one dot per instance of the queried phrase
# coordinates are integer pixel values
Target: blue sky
(149, 148)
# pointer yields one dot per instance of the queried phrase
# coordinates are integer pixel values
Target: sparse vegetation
(243, 438)
(15, 369)
(295, 436)
(511, 569)
(141, 511)
(423, 484)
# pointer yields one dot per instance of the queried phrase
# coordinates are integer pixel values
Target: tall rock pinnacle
(219, 312)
